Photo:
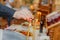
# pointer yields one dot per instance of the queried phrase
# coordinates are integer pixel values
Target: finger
(22, 17)
(27, 12)
(30, 20)
(30, 14)
(25, 16)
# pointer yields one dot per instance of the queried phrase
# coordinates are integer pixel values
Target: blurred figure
(42, 21)
(10, 35)
(9, 3)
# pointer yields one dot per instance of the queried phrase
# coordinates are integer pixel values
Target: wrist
(15, 15)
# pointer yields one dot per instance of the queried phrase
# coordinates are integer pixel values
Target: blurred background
(43, 10)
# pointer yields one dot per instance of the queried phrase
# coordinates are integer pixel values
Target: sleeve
(6, 11)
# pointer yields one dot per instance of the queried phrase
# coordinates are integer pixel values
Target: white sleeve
(1, 34)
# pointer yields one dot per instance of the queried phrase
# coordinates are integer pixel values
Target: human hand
(26, 15)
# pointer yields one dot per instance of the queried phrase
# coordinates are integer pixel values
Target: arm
(6, 11)
(20, 14)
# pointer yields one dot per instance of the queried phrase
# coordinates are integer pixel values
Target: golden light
(39, 13)
(31, 7)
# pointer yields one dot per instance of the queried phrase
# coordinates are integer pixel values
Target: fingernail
(30, 20)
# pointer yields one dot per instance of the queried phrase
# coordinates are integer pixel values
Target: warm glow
(32, 7)
(36, 20)
(39, 13)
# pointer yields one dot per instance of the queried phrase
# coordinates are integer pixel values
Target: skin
(26, 16)
(19, 15)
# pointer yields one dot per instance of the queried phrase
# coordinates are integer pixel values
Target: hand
(23, 15)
